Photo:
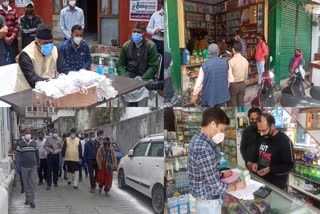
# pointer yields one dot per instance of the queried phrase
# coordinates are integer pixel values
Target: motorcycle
(294, 94)
(265, 96)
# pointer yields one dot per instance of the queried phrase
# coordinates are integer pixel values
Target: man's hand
(254, 167)
(264, 171)
(157, 31)
(249, 165)
(9, 40)
(240, 185)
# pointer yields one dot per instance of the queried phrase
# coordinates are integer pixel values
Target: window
(156, 149)
(140, 150)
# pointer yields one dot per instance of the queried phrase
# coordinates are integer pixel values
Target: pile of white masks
(78, 82)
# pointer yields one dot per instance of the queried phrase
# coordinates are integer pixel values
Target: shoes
(55, 185)
(32, 205)
(92, 190)
(22, 191)
(76, 188)
(48, 188)
(40, 184)
(69, 182)
(27, 203)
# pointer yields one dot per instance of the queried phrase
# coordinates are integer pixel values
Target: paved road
(65, 200)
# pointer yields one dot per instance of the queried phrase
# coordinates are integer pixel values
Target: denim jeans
(209, 206)
(260, 69)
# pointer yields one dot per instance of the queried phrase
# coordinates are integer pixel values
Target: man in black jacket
(250, 141)
(28, 24)
(276, 157)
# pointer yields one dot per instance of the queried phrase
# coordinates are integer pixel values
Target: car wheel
(121, 179)
(158, 199)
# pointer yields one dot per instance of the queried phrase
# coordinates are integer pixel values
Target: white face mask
(5, 3)
(92, 139)
(27, 136)
(77, 40)
(72, 3)
(218, 138)
(55, 135)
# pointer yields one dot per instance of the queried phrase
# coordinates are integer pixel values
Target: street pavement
(65, 200)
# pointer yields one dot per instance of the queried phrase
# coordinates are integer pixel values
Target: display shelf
(305, 192)
(305, 164)
(304, 177)
(192, 65)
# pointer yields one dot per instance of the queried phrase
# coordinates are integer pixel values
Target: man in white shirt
(69, 17)
(83, 140)
(42, 171)
(156, 29)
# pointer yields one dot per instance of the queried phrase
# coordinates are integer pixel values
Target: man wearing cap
(40, 60)
(72, 153)
(213, 80)
(139, 60)
(156, 29)
(69, 17)
(12, 21)
(28, 24)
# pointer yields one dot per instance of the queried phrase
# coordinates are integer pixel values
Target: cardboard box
(71, 100)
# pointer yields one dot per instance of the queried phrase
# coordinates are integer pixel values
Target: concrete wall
(128, 132)
(64, 124)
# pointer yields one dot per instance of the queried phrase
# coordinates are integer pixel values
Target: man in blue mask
(72, 153)
(40, 60)
(138, 56)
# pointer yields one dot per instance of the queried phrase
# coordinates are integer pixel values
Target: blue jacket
(76, 58)
(215, 84)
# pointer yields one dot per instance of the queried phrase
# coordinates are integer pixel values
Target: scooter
(265, 96)
(294, 94)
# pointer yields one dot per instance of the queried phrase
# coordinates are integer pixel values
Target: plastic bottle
(193, 204)
(223, 162)
(100, 67)
(185, 57)
(111, 67)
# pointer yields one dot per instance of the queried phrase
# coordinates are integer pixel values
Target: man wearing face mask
(250, 140)
(27, 161)
(72, 153)
(28, 24)
(42, 171)
(90, 153)
(11, 37)
(239, 37)
(276, 157)
(83, 165)
(76, 51)
(204, 176)
(53, 146)
(69, 17)
(40, 60)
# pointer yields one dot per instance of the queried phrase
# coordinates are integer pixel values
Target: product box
(71, 100)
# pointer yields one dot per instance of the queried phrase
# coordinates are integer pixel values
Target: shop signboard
(142, 10)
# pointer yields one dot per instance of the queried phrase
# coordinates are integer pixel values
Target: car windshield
(115, 146)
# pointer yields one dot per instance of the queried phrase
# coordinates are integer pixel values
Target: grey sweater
(27, 155)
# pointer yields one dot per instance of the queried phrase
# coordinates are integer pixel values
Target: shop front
(300, 125)
(286, 25)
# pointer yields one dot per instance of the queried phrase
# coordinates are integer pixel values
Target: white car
(143, 169)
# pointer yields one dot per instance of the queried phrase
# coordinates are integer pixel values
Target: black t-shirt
(276, 152)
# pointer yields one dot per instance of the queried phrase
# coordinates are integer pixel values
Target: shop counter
(277, 202)
(123, 85)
